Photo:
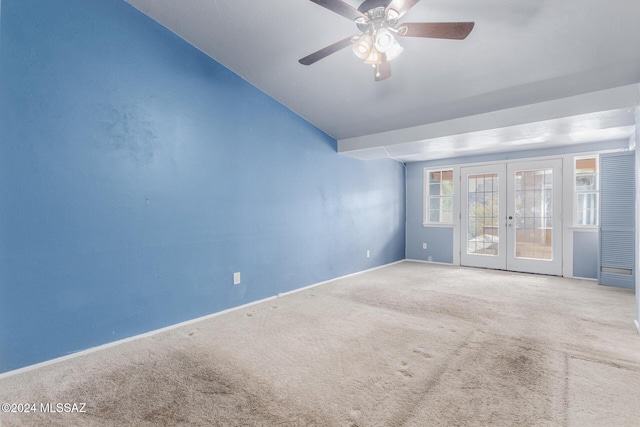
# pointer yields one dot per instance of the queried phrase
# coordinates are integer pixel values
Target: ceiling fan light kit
(374, 57)
(363, 46)
(378, 22)
(384, 40)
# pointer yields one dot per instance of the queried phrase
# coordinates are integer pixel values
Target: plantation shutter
(617, 220)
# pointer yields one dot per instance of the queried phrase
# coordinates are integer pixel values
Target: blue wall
(585, 254)
(137, 175)
(439, 239)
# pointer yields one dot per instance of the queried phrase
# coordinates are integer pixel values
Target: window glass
(586, 191)
(439, 200)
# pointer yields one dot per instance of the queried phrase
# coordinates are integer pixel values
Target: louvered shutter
(617, 220)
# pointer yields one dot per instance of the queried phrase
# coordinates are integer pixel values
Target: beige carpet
(407, 345)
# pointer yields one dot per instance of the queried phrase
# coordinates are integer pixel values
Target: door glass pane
(482, 201)
(533, 214)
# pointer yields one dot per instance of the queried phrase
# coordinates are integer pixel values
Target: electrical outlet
(424, 246)
(236, 278)
(368, 253)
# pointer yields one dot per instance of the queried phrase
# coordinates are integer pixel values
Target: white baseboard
(637, 325)
(175, 326)
(339, 278)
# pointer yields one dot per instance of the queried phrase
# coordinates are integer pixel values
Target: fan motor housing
(372, 4)
(375, 10)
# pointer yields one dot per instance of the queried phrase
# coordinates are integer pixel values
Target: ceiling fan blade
(401, 6)
(383, 69)
(436, 30)
(323, 53)
(341, 8)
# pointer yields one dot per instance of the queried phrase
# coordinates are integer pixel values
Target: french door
(511, 216)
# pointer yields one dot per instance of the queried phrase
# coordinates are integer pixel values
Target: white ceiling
(520, 59)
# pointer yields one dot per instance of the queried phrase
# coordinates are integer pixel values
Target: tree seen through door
(483, 232)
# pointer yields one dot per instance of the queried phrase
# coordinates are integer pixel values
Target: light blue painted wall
(585, 254)
(439, 239)
(440, 243)
(137, 174)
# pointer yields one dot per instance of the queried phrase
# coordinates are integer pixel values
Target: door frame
(506, 258)
(531, 265)
(498, 261)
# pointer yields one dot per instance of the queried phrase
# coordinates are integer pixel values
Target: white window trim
(425, 197)
(574, 194)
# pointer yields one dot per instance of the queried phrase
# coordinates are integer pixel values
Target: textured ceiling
(520, 52)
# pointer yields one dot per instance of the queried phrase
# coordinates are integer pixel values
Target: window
(439, 197)
(587, 191)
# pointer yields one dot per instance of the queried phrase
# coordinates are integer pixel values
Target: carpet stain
(178, 388)
(165, 415)
(502, 380)
(431, 304)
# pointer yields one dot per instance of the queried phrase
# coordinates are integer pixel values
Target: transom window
(439, 196)
(587, 191)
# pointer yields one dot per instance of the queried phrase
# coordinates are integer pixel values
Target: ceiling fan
(378, 22)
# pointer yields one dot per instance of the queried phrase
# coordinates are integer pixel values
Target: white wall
(637, 136)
